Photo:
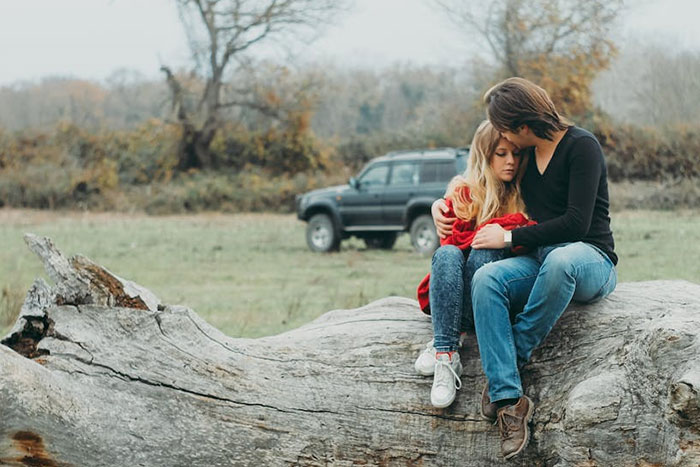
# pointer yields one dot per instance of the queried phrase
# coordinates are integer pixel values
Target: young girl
(490, 193)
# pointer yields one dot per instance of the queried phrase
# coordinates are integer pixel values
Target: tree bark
(98, 372)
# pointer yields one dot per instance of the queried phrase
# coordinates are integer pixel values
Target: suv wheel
(424, 237)
(382, 241)
(321, 235)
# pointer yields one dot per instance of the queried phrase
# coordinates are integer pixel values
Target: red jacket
(463, 233)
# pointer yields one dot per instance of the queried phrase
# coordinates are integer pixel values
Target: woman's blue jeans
(450, 292)
(541, 284)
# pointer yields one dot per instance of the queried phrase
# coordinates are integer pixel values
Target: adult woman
(490, 193)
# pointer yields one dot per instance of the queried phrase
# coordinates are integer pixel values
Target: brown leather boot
(488, 410)
(512, 424)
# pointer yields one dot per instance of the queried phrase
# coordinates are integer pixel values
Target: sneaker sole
(442, 406)
(530, 411)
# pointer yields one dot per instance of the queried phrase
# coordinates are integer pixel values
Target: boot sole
(528, 418)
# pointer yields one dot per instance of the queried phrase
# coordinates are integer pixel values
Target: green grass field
(252, 274)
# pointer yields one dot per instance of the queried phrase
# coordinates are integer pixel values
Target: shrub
(11, 300)
(71, 168)
(247, 191)
(146, 154)
(643, 153)
(288, 150)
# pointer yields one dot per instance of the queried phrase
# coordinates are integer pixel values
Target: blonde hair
(488, 196)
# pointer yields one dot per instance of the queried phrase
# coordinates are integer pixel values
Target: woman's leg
(446, 291)
(475, 260)
(446, 296)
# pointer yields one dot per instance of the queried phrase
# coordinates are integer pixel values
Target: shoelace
(442, 377)
(507, 428)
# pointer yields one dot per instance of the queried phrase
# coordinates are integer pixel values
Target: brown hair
(516, 102)
(487, 196)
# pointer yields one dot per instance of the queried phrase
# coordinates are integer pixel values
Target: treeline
(344, 105)
(112, 146)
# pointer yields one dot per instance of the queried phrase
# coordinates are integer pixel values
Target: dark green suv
(392, 194)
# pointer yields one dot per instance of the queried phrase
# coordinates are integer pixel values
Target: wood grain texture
(616, 383)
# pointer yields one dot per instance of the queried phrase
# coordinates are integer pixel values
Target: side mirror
(354, 183)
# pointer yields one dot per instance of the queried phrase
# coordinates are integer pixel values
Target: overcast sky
(93, 38)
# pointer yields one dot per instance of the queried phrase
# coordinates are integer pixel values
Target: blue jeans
(450, 292)
(541, 284)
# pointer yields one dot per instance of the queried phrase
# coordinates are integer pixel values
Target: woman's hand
(489, 237)
(443, 224)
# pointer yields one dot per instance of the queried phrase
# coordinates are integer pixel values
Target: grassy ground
(252, 275)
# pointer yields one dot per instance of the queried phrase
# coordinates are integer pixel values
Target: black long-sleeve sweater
(570, 199)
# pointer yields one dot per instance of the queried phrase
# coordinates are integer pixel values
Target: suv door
(362, 205)
(435, 175)
(402, 186)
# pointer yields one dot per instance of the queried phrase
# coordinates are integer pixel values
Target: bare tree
(222, 34)
(563, 41)
(652, 83)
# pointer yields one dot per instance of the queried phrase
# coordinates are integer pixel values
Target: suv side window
(437, 171)
(375, 176)
(404, 173)
(462, 163)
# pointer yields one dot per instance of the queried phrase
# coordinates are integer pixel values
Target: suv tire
(382, 241)
(424, 237)
(321, 235)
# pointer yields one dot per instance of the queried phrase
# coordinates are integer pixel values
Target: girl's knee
(477, 258)
(448, 253)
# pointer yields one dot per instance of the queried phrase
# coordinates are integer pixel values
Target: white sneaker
(425, 363)
(446, 380)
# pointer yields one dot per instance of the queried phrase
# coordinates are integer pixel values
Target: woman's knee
(478, 258)
(448, 254)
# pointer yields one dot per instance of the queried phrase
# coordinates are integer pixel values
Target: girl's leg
(475, 260)
(446, 296)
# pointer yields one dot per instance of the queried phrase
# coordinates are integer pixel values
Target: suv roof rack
(441, 152)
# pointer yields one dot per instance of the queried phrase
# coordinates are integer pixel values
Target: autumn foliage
(70, 167)
(568, 77)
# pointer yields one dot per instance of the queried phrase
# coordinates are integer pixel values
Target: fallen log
(97, 371)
